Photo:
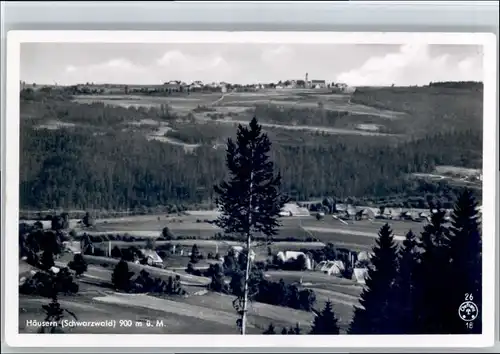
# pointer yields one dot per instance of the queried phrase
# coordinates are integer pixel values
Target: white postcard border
(11, 175)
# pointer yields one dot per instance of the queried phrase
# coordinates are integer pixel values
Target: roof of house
(318, 81)
(295, 209)
(286, 255)
(153, 255)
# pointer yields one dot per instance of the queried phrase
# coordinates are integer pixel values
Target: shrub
(78, 264)
(167, 234)
(48, 284)
(116, 252)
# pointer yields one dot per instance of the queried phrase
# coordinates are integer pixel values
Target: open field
(216, 107)
(183, 104)
(305, 99)
(362, 233)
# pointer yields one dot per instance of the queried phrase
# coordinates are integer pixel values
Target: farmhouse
(331, 267)
(286, 256)
(390, 213)
(367, 214)
(152, 258)
(292, 209)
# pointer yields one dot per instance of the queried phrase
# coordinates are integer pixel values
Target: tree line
(75, 169)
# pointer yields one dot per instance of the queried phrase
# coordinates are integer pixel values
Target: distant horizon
(249, 63)
(231, 83)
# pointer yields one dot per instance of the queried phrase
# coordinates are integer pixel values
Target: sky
(353, 64)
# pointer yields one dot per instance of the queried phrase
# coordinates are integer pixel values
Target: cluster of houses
(173, 86)
(358, 262)
(313, 84)
(349, 212)
(356, 213)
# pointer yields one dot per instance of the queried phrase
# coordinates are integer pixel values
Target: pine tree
(116, 252)
(251, 200)
(195, 254)
(466, 258)
(217, 283)
(408, 259)
(377, 314)
(325, 322)
(121, 276)
(269, 330)
(432, 283)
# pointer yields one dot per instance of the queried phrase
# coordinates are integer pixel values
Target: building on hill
(173, 86)
(317, 84)
(299, 84)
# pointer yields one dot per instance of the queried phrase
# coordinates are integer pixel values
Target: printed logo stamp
(468, 311)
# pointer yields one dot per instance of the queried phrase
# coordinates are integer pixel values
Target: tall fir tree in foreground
(377, 314)
(466, 262)
(325, 322)
(408, 258)
(432, 284)
(250, 200)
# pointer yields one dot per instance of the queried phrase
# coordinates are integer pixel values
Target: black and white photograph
(251, 187)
